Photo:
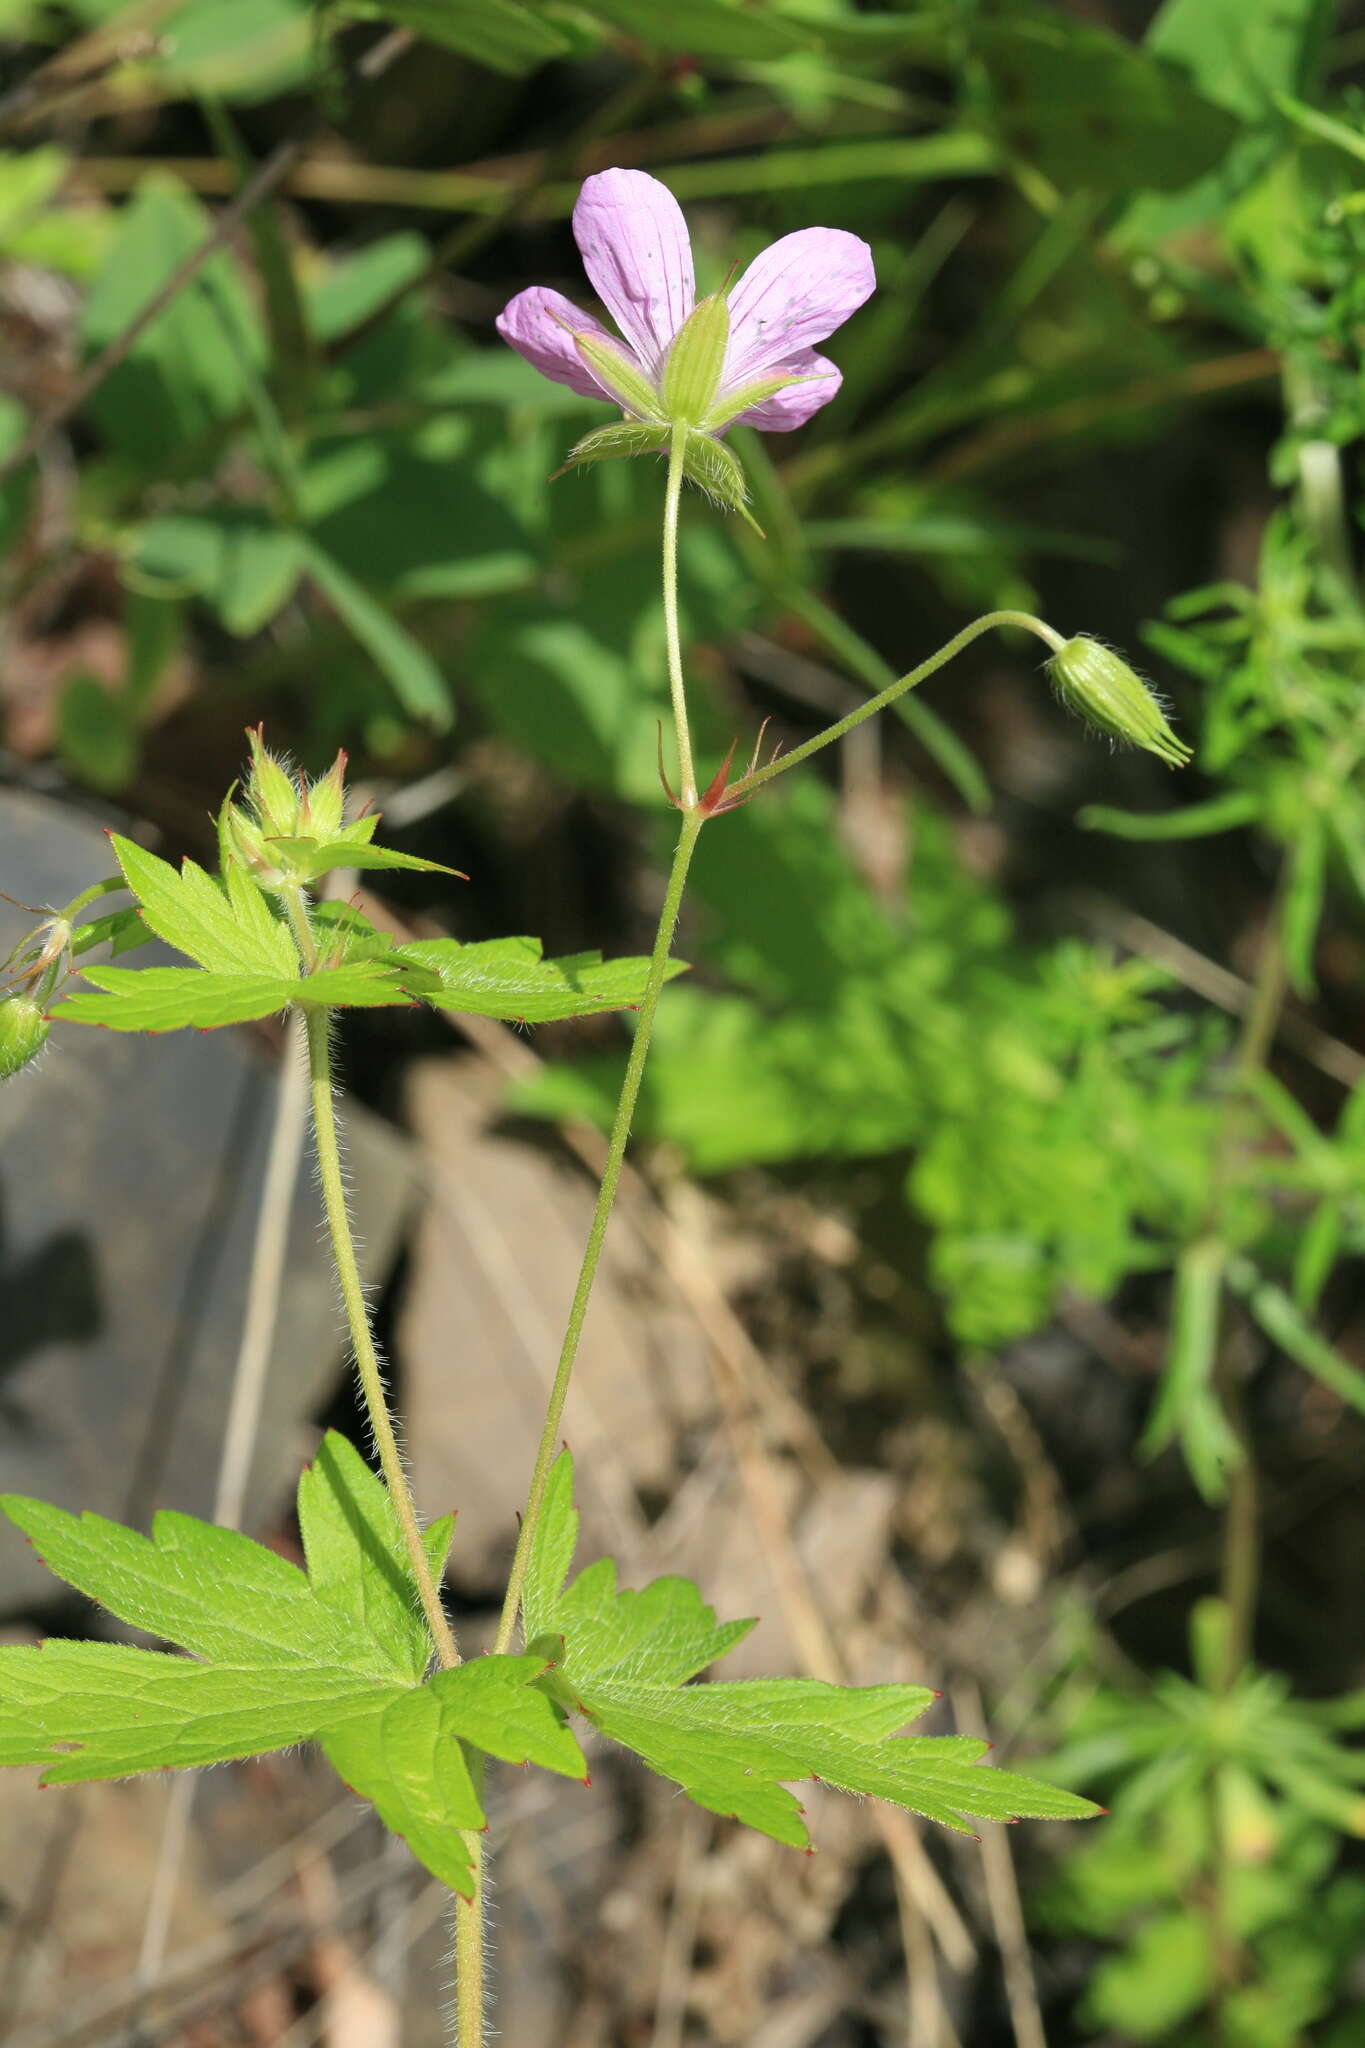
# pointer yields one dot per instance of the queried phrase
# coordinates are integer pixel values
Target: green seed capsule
(23, 1033)
(1100, 687)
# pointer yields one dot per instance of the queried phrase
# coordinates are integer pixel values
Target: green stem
(1024, 621)
(353, 1295)
(692, 822)
(672, 500)
(469, 1932)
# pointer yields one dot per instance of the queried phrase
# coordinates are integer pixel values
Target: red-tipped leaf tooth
(809, 1849)
(713, 795)
(588, 1781)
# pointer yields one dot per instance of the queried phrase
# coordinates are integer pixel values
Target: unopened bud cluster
(274, 831)
(1100, 687)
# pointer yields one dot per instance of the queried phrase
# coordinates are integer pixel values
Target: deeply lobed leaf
(508, 978)
(339, 1653)
(247, 965)
(174, 998)
(623, 1660)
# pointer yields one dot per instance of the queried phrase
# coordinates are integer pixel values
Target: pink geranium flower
(748, 352)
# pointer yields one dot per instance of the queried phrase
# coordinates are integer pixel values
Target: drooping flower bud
(696, 362)
(23, 1033)
(1100, 687)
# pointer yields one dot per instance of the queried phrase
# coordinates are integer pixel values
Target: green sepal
(618, 375)
(606, 444)
(271, 788)
(696, 362)
(731, 404)
(715, 469)
(307, 859)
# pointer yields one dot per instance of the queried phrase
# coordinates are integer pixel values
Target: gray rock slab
(129, 1175)
(495, 1258)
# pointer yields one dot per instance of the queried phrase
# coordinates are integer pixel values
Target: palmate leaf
(508, 978)
(623, 1661)
(338, 1653)
(228, 930)
(172, 998)
(248, 967)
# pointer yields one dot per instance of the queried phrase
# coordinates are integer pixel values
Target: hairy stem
(469, 1934)
(692, 822)
(353, 1296)
(1024, 621)
(362, 1338)
(672, 500)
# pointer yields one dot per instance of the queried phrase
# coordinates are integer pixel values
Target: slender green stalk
(692, 822)
(672, 500)
(353, 1296)
(1024, 621)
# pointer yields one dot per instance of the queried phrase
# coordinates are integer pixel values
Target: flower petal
(798, 291)
(791, 408)
(540, 325)
(636, 250)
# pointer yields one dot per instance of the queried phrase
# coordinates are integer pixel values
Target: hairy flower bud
(1100, 687)
(23, 1033)
(273, 793)
(275, 832)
